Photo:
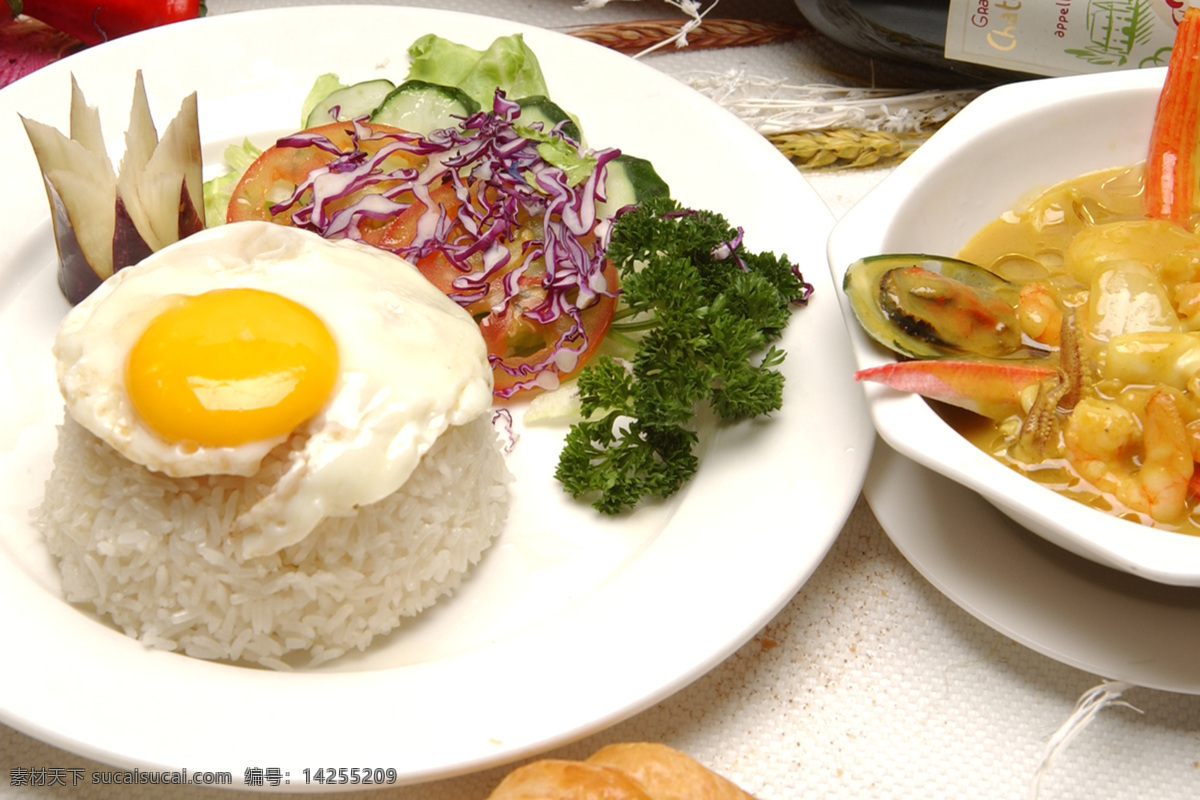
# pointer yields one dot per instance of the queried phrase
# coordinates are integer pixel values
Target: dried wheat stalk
(640, 35)
(842, 149)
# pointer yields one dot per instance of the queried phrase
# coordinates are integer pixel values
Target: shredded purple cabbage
(501, 180)
(502, 421)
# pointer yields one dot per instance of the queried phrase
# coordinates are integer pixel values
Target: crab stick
(1170, 164)
(992, 388)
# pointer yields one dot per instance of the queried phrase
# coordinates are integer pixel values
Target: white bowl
(1009, 141)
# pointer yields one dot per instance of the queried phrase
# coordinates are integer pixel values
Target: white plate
(572, 622)
(1071, 609)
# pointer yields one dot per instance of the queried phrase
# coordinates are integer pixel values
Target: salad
(468, 170)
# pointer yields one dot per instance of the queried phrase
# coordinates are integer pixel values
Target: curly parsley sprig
(706, 312)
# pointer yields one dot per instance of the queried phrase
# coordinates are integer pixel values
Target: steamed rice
(154, 553)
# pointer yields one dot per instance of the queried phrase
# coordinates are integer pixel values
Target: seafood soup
(1100, 396)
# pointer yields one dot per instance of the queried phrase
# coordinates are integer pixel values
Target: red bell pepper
(1170, 175)
(96, 21)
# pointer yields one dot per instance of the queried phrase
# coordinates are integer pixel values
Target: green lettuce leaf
(324, 86)
(507, 64)
(218, 190)
(562, 155)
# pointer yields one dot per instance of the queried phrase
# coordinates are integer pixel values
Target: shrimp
(1038, 313)
(1104, 438)
(1160, 487)
(1100, 437)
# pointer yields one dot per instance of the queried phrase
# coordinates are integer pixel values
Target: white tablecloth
(870, 683)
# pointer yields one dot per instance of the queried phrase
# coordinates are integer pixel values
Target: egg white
(411, 364)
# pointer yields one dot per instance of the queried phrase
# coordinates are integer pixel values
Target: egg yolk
(231, 366)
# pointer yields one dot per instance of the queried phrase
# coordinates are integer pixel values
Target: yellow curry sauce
(1129, 289)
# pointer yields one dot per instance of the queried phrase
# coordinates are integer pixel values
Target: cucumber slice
(629, 180)
(423, 107)
(539, 108)
(358, 100)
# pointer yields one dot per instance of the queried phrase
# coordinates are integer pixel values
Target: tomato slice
(276, 173)
(518, 344)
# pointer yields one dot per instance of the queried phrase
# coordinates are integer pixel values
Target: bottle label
(1063, 37)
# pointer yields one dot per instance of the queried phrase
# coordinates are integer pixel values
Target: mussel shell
(912, 329)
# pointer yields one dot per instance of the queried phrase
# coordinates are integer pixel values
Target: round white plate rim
(359, 718)
(1100, 620)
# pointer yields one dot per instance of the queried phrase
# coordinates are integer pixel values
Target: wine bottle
(989, 41)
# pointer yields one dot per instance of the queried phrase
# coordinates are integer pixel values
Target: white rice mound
(155, 554)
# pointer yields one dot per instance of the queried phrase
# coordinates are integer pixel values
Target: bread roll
(555, 779)
(631, 771)
(667, 774)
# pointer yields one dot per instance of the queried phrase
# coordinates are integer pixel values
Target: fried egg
(214, 351)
